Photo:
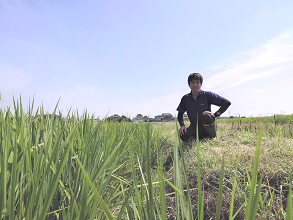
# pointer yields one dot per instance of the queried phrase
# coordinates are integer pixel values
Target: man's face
(195, 85)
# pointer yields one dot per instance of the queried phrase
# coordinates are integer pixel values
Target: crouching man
(197, 104)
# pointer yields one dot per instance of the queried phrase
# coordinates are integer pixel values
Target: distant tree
(139, 117)
(117, 118)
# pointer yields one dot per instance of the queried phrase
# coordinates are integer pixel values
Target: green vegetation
(238, 144)
(71, 167)
(276, 119)
(68, 167)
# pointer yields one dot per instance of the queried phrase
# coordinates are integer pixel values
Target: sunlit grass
(239, 146)
(72, 167)
(68, 167)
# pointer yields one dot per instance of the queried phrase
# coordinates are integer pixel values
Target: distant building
(168, 116)
(159, 118)
(164, 117)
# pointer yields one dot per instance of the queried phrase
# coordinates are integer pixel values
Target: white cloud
(268, 60)
(260, 90)
(272, 98)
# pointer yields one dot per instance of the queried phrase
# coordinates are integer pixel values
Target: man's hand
(208, 112)
(182, 130)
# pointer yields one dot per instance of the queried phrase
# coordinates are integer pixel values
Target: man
(197, 104)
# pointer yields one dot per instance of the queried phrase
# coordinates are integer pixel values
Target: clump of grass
(68, 167)
(238, 146)
(274, 119)
(75, 168)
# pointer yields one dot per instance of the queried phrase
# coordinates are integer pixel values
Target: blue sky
(129, 57)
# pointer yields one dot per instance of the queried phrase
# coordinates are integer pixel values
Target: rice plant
(68, 167)
(74, 167)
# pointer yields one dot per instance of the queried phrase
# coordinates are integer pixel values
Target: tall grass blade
(125, 203)
(83, 201)
(97, 194)
(58, 174)
(236, 213)
(190, 215)
(256, 198)
(33, 197)
(173, 186)
(140, 207)
(4, 164)
(142, 184)
(162, 190)
(289, 212)
(200, 195)
(135, 211)
(180, 198)
(13, 181)
(220, 193)
(177, 180)
(151, 213)
(251, 199)
(233, 192)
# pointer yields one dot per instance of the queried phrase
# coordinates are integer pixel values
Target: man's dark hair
(195, 76)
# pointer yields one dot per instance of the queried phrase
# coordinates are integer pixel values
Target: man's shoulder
(208, 93)
(212, 95)
(186, 95)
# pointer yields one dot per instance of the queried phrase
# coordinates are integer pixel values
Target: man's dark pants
(206, 129)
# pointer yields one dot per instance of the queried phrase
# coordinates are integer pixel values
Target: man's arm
(180, 118)
(181, 122)
(224, 106)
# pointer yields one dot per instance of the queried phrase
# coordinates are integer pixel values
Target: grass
(275, 119)
(70, 167)
(238, 146)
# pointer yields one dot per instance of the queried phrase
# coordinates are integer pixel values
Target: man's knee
(209, 123)
(188, 134)
(185, 137)
(207, 118)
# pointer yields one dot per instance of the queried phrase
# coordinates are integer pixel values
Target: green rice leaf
(220, 193)
(151, 213)
(249, 208)
(289, 212)
(97, 194)
(58, 174)
(233, 193)
(162, 190)
(256, 198)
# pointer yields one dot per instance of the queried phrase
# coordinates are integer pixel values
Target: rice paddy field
(72, 167)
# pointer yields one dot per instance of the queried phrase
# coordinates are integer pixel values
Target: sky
(133, 57)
